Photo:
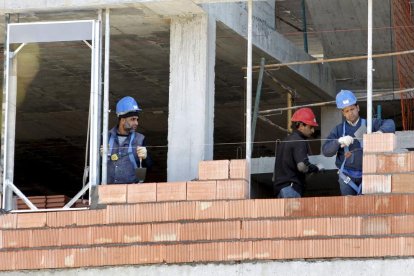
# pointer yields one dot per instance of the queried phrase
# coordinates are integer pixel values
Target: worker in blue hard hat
(126, 147)
(345, 141)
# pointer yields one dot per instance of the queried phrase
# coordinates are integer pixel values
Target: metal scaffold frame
(55, 31)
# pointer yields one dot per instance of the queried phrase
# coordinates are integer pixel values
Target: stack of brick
(210, 231)
(44, 202)
(221, 179)
(386, 170)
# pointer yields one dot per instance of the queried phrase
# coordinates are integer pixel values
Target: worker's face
(130, 123)
(307, 130)
(351, 113)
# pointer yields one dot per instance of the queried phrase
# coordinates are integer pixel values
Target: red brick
(369, 163)
(148, 254)
(150, 212)
(45, 237)
(180, 210)
(376, 183)
(232, 189)
(208, 252)
(120, 214)
(90, 217)
(239, 169)
(385, 142)
(178, 253)
(225, 230)
(357, 205)
(245, 208)
(402, 183)
(195, 231)
(145, 192)
(346, 226)
(411, 161)
(171, 191)
(17, 238)
(210, 210)
(316, 227)
(135, 233)
(267, 250)
(257, 229)
(117, 256)
(402, 224)
(75, 236)
(286, 228)
(213, 170)
(376, 226)
(300, 207)
(201, 190)
(109, 194)
(162, 232)
(393, 163)
(11, 261)
(237, 251)
(60, 219)
(105, 234)
(293, 249)
(31, 220)
(329, 206)
(390, 204)
(270, 208)
(8, 221)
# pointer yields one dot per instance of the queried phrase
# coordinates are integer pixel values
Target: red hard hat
(305, 115)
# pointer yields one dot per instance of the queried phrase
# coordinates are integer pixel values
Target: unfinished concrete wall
(191, 98)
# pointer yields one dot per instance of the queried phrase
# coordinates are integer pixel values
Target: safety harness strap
(130, 153)
(346, 179)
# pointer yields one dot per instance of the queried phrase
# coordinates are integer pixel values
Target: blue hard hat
(345, 98)
(127, 105)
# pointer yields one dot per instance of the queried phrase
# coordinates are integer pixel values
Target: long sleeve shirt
(332, 147)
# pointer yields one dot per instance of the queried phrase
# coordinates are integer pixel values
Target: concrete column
(330, 117)
(191, 98)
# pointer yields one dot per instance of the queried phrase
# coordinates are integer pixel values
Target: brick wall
(143, 224)
(221, 179)
(386, 170)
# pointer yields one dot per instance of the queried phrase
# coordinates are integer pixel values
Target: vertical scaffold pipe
(106, 100)
(249, 90)
(369, 70)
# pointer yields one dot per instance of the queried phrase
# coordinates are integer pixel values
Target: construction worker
(292, 163)
(126, 146)
(345, 140)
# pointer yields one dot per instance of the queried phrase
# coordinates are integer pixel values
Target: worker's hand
(321, 167)
(378, 132)
(346, 141)
(142, 152)
(101, 149)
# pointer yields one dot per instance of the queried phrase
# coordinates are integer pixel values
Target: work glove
(101, 149)
(345, 141)
(378, 132)
(142, 152)
(321, 167)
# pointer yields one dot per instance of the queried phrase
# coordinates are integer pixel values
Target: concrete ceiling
(53, 92)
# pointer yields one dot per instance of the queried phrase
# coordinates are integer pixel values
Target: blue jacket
(122, 171)
(332, 146)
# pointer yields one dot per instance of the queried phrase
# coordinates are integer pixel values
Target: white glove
(378, 132)
(321, 168)
(142, 152)
(101, 149)
(345, 141)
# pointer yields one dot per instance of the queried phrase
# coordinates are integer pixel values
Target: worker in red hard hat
(292, 161)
